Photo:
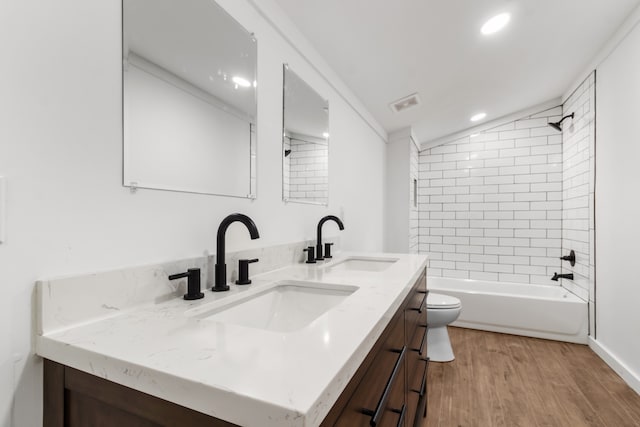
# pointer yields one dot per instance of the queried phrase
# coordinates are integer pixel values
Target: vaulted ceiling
(385, 50)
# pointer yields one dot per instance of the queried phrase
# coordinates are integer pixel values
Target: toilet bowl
(441, 310)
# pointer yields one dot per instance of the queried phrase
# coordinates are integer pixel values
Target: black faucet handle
(311, 255)
(243, 271)
(193, 283)
(327, 250)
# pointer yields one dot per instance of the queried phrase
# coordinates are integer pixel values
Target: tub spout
(557, 276)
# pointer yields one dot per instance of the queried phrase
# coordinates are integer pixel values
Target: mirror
(189, 95)
(305, 152)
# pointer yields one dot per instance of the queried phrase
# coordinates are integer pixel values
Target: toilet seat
(439, 301)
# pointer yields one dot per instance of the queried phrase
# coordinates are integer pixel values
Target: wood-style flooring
(512, 381)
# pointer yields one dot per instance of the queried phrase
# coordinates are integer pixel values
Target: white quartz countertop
(244, 375)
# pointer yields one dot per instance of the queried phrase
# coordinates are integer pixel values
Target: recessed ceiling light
(241, 82)
(477, 117)
(325, 134)
(495, 24)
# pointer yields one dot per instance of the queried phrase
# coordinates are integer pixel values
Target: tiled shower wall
(490, 205)
(414, 216)
(578, 223)
(308, 170)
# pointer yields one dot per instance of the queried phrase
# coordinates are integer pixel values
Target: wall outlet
(3, 209)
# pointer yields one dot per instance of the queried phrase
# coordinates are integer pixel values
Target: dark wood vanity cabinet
(392, 381)
(388, 388)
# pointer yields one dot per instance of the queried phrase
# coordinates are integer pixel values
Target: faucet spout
(324, 219)
(557, 276)
(221, 267)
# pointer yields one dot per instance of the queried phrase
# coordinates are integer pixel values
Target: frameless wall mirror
(189, 94)
(305, 151)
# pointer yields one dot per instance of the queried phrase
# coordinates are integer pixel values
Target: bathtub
(540, 311)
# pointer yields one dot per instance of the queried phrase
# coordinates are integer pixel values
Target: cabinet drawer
(379, 398)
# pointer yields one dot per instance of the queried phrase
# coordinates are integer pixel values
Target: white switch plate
(3, 208)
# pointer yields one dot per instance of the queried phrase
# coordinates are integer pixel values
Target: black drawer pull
(401, 412)
(423, 385)
(424, 336)
(422, 304)
(375, 415)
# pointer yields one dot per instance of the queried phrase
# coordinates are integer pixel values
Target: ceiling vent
(405, 103)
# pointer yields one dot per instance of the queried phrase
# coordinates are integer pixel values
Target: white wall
(490, 204)
(61, 151)
(618, 208)
(397, 230)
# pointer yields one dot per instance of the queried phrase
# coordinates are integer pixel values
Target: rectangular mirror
(305, 151)
(189, 94)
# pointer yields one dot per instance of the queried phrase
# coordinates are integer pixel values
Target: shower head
(557, 125)
(287, 152)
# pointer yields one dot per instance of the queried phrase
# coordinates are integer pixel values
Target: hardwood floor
(507, 380)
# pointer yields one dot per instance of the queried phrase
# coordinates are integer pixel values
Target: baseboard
(619, 367)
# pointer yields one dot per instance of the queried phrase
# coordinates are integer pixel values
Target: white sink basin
(285, 306)
(363, 264)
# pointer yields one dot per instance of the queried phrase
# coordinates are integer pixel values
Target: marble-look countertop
(247, 376)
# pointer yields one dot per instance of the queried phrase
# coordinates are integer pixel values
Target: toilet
(441, 310)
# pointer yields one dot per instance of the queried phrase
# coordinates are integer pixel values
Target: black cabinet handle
(422, 304)
(377, 414)
(424, 337)
(423, 384)
(401, 412)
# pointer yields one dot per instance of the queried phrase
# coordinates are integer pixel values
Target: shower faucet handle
(571, 258)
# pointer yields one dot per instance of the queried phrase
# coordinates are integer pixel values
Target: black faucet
(319, 256)
(557, 276)
(221, 268)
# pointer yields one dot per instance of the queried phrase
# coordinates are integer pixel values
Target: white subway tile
(532, 142)
(498, 214)
(498, 268)
(470, 266)
(535, 178)
(483, 189)
(503, 179)
(531, 160)
(457, 173)
(469, 249)
(534, 252)
(484, 241)
(455, 207)
(514, 152)
(475, 232)
(538, 234)
(517, 170)
(469, 215)
(507, 161)
(455, 257)
(515, 134)
(530, 197)
(462, 240)
(499, 232)
(515, 260)
(498, 250)
(504, 241)
(499, 197)
(486, 171)
(515, 206)
(483, 206)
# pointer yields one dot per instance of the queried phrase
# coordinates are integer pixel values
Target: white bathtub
(540, 311)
